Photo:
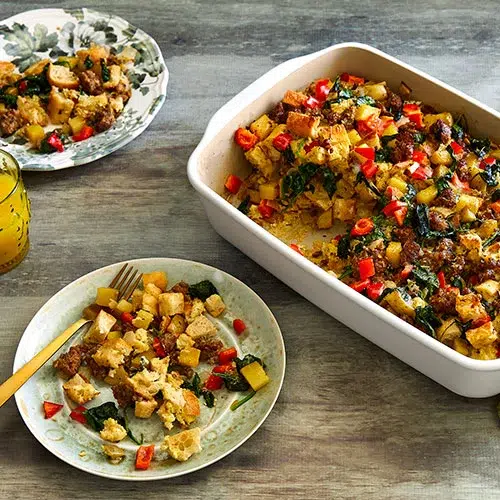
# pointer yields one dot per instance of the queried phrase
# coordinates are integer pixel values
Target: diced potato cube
(35, 134)
(268, 191)
(354, 137)
(391, 129)
(398, 183)
(487, 228)
(143, 319)
(76, 123)
(190, 356)
(137, 299)
(124, 306)
(393, 253)
(158, 278)
(441, 157)
(461, 346)
(400, 306)
(325, 220)
(104, 295)
(467, 216)
(427, 195)
(262, 127)
(114, 335)
(365, 111)
(177, 325)
(255, 375)
(431, 119)
(377, 90)
(448, 331)
(467, 201)
(184, 341)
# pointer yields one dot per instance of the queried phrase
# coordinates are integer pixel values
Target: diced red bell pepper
(78, 416)
(265, 210)
(322, 89)
(366, 152)
(417, 119)
(55, 141)
(463, 185)
(158, 348)
(360, 286)
(457, 149)
(310, 146)
(228, 367)
(22, 86)
(366, 268)
(406, 271)
(362, 227)
(400, 215)
(245, 139)
(419, 157)
(442, 280)
(392, 206)
(86, 132)
(481, 321)
(496, 207)
(50, 409)
(282, 141)
(233, 183)
(227, 355)
(353, 80)
(214, 383)
(144, 456)
(487, 162)
(368, 126)
(369, 169)
(474, 279)
(410, 108)
(126, 317)
(374, 290)
(422, 173)
(296, 248)
(312, 103)
(239, 326)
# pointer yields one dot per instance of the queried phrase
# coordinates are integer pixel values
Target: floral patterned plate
(222, 430)
(38, 34)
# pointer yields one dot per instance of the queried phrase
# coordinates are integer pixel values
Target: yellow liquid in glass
(14, 222)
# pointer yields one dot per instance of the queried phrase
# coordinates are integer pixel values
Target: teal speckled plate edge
(48, 33)
(223, 431)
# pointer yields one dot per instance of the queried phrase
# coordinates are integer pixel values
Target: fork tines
(126, 281)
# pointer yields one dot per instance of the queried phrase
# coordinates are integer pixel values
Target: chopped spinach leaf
(411, 192)
(209, 398)
(105, 71)
(336, 85)
(425, 279)
(421, 220)
(458, 282)
(344, 94)
(443, 183)
(97, 416)
(365, 99)
(9, 100)
(297, 182)
(387, 138)
(234, 381)
(418, 137)
(202, 290)
(193, 385)
(244, 206)
(457, 132)
(425, 316)
(329, 181)
(346, 272)
(383, 154)
(480, 146)
(130, 434)
(344, 247)
(247, 360)
(288, 154)
(88, 62)
(490, 174)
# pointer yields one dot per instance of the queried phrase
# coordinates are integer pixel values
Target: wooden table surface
(351, 421)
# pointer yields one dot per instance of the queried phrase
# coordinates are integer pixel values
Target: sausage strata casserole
(79, 95)
(415, 198)
(147, 349)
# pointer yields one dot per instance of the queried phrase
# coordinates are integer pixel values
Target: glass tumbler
(14, 214)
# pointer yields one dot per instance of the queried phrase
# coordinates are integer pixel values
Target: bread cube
(153, 290)
(150, 303)
(482, 336)
(257, 157)
(191, 408)
(101, 326)
(89, 107)
(171, 303)
(157, 278)
(59, 107)
(62, 77)
(177, 325)
(144, 409)
(143, 319)
(184, 341)
(183, 445)
(201, 326)
(166, 414)
(262, 127)
(115, 74)
(79, 390)
(193, 309)
(189, 356)
(112, 353)
(293, 98)
(138, 340)
(146, 383)
(325, 220)
(112, 431)
(302, 125)
(469, 307)
(116, 376)
(160, 365)
(215, 305)
(32, 111)
(488, 289)
(344, 210)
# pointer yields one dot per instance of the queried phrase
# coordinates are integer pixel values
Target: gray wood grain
(351, 421)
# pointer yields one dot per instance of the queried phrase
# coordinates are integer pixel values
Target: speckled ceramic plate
(222, 429)
(49, 33)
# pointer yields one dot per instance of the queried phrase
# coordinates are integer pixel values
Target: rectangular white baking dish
(217, 155)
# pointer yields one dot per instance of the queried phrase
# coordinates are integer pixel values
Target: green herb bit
(344, 247)
(425, 316)
(244, 206)
(365, 99)
(88, 62)
(346, 272)
(104, 71)
(491, 239)
(209, 398)
(236, 404)
(202, 290)
(443, 183)
(425, 279)
(418, 137)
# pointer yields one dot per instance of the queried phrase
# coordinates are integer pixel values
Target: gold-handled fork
(126, 281)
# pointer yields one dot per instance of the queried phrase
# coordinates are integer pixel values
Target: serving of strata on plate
(148, 349)
(407, 202)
